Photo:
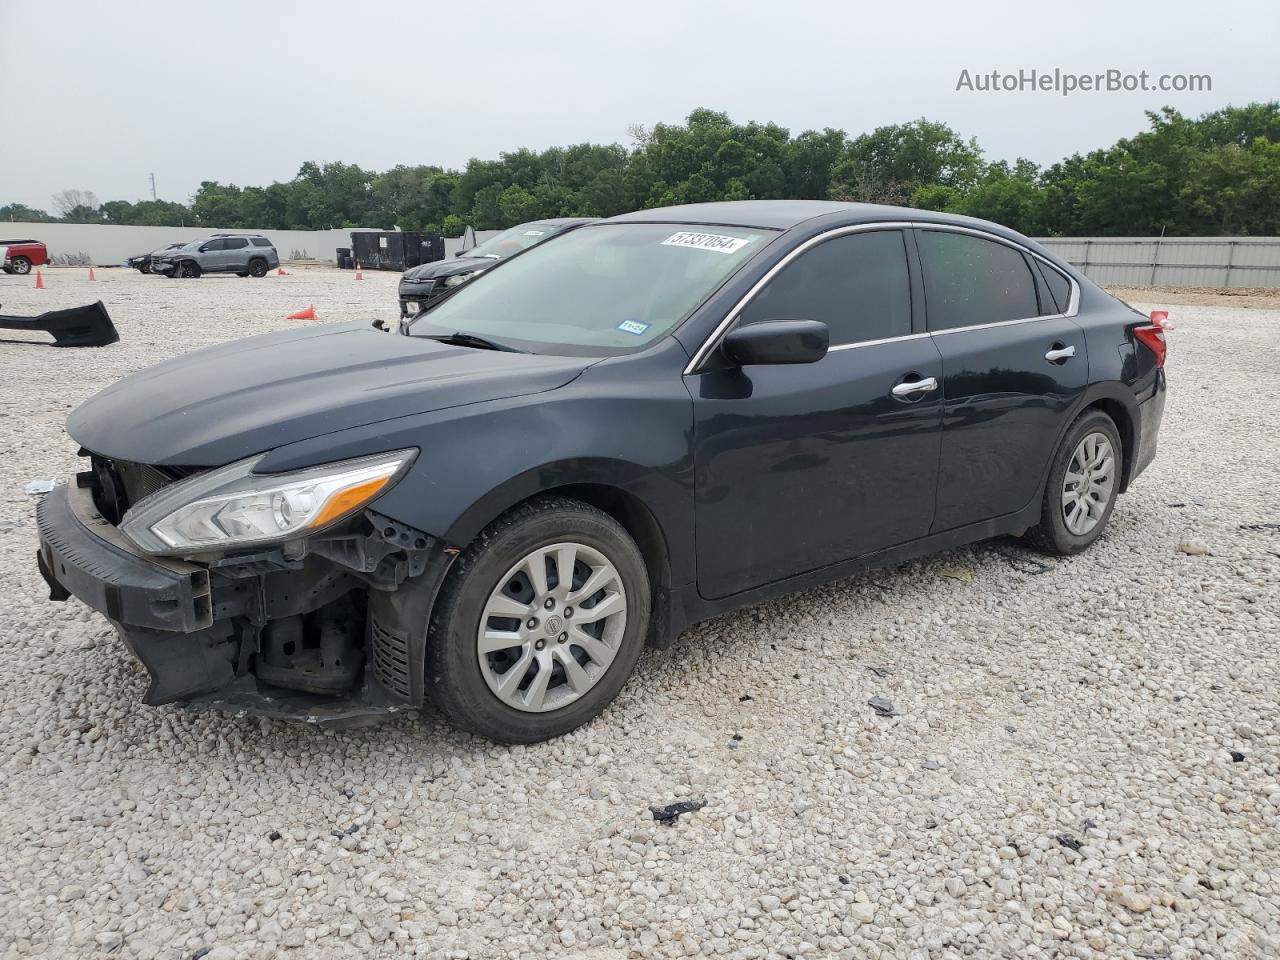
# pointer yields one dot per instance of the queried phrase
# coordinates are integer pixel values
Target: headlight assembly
(458, 278)
(233, 506)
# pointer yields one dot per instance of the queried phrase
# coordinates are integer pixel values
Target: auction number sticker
(705, 241)
(633, 327)
(534, 233)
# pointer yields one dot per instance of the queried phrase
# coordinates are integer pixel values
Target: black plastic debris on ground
(880, 672)
(1237, 756)
(273, 836)
(668, 815)
(882, 707)
(1026, 564)
(1068, 841)
(349, 832)
(745, 697)
(1260, 526)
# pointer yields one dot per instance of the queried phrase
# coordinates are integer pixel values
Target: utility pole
(153, 186)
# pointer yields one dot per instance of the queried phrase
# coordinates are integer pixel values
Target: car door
(235, 254)
(1013, 366)
(211, 255)
(801, 466)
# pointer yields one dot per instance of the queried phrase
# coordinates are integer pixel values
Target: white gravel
(1099, 700)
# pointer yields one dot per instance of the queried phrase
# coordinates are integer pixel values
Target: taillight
(1153, 337)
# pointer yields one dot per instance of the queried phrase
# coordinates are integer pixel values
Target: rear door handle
(915, 386)
(1058, 352)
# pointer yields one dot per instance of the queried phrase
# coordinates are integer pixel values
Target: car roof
(562, 221)
(785, 214)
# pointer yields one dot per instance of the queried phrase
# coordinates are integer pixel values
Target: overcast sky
(98, 95)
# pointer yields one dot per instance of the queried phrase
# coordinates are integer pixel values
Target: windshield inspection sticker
(633, 327)
(705, 241)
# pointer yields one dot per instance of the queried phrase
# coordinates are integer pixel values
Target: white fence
(1173, 261)
(105, 244)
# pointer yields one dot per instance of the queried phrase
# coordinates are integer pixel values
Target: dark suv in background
(422, 286)
(244, 254)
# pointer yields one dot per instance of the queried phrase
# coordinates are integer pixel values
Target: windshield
(511, 241)
(599, 290)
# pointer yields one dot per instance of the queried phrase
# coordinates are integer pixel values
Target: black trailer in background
(393, 249)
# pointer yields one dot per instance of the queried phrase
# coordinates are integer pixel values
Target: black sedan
(423, 285)
(655, 419)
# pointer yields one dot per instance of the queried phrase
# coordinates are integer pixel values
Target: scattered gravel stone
(1193, 548)
(1135, 902)
(1104, 697)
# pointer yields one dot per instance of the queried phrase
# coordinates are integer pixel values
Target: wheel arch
(610, 487)
(1117, 401)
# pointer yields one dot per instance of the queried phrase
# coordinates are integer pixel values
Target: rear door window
(234, 243)
(969, 280)
(856, 284)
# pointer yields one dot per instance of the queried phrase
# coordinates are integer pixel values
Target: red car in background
(20, 256)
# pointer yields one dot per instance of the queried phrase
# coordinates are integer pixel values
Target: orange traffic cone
(359, 275)
(280, 272)
(307, 314)
(39, 280)
(91, 276)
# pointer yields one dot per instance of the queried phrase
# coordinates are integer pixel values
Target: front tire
(144, 268)
(188, 269)
(1083, 484)
(539, 623)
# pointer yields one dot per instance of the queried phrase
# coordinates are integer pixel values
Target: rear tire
(560, 668)
(1083, 484)
(257, 268)
(20, 266)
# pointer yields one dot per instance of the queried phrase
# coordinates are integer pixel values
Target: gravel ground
(1082, 762)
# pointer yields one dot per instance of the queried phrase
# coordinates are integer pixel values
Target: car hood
(447, 268)
(222, 404)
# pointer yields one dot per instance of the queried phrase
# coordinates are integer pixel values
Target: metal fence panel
(1173, 261)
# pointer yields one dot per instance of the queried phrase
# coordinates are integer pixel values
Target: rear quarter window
(1058, 284)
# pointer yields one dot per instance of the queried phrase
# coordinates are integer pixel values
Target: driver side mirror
(778, 341)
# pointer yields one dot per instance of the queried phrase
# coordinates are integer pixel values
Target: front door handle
(915, 386)
(1058, 353)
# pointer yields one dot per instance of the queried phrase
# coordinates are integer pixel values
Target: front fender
(624, 424)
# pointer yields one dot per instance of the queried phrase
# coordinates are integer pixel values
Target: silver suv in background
(244, 254)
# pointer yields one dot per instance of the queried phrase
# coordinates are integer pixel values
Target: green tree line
(1212, 175)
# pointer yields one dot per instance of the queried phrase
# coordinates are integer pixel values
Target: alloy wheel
(1089, 483)
(551, 627)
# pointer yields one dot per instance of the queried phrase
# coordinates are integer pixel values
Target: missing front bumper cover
(288, 635)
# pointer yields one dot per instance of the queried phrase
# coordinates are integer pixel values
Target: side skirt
(687, 607)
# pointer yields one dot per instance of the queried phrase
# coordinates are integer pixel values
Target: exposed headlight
(233, 506)
(458, 278)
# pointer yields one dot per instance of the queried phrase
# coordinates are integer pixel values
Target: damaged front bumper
(332, 632)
